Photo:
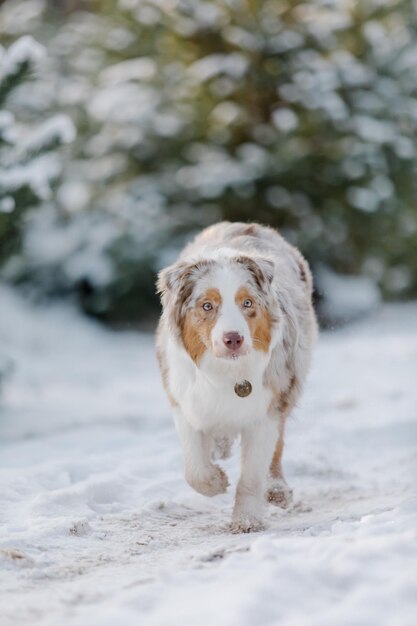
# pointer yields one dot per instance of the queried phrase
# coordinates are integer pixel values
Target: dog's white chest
(208, 396)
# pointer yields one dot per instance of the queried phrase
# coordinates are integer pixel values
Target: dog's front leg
(258, 442)
(200, 473)
(278, 492)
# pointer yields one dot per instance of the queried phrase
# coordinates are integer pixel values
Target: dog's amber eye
(207, 306)
(247, 303)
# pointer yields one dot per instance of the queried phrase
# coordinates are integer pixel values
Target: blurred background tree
(300, 115)
(29, 163)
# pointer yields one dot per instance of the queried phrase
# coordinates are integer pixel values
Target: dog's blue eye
(247, 303)
(207, 306)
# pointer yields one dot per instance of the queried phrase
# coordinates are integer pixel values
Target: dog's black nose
(233, 341)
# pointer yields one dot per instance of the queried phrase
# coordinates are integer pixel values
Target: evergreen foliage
(300, 115)
(28, 164)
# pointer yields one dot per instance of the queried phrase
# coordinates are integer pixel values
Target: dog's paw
(246, 523)
(211, 483)
(279, 494)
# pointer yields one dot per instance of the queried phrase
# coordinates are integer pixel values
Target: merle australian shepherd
(234, 346)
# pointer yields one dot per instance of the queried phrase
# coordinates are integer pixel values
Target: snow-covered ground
(98, 527)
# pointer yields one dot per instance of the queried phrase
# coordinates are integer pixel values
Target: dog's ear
(179, 277)
(175, 285)
(261, 269)
(169, 279)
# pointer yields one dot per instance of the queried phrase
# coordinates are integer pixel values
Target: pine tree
(301, 115)
(28, 161)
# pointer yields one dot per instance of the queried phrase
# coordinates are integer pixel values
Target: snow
(20, 17)
(372, 130)
(7, 130)
(129, 102)
(7, 204)
(24, 50)
(284, 119)
(233, 65)
(364, 199)
(226, 112)
(133, 69)
(345, 298)
(99, 527)
(74, 195)
(36, 174)
(58, 129)
(210, 177)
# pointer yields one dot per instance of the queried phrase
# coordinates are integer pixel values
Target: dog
(234, 345)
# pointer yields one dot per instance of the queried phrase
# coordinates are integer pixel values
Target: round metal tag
(243, 389)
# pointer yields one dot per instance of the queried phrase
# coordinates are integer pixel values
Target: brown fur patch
(259, 320)
(250, 230)
(197, 325)
(278, 493)
(211, 295)
(283, 401)
(253, 268)
(191, 338)
(276, 465)
(303, 273)
(287, 397)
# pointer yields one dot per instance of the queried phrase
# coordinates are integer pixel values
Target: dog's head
(222, 306)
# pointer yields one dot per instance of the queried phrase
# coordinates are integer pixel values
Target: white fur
(231, 318)
(206, 406)
(210, 409)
